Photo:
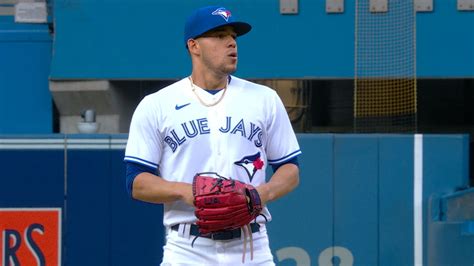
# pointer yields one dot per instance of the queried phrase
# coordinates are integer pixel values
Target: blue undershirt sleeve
(293, 160)
(132, 170)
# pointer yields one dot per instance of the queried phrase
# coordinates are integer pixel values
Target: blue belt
(222, 235)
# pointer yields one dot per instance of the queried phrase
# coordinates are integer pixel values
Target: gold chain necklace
(202, 101)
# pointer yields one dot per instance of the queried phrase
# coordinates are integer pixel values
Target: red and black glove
(224, 204)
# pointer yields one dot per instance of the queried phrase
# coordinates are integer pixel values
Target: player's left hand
(224, 204)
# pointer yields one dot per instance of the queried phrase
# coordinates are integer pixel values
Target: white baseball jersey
(173, 131)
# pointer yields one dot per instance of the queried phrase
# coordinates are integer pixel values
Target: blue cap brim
(240, 28)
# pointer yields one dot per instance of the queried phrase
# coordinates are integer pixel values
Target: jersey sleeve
(144, 144)
(282, 144)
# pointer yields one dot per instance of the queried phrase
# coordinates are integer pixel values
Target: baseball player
(211, 121)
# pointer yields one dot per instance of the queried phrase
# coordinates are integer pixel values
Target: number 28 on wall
(329, 257)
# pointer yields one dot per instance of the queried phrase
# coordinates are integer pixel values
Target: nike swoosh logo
(177, 107)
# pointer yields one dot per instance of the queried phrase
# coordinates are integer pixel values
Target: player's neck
(210, 82)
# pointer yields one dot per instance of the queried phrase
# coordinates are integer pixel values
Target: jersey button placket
(219, 111)
(214, 127)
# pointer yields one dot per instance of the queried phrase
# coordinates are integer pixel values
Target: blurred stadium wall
(106, 55)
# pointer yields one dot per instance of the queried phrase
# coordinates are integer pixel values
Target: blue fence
(357, 200)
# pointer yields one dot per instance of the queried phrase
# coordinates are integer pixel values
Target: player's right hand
(187, 193)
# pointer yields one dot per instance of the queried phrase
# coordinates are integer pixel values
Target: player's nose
(232, 42)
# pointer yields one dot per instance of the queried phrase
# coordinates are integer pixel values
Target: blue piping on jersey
(293, 154)
(140, 161)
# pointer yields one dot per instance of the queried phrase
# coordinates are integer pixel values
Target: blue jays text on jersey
(191, 129)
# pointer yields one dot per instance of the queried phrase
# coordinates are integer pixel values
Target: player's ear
(193, 46)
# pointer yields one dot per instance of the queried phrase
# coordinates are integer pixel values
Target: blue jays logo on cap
(224, 13)
(251, 164)
(209, 18)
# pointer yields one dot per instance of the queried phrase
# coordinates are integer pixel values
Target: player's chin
(231, 69)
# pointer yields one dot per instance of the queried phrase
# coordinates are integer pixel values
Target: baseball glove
(223, 203)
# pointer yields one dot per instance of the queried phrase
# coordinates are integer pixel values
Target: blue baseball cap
(209, 18)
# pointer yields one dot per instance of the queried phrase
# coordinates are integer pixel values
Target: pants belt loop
(187, 231)
(181, 230)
